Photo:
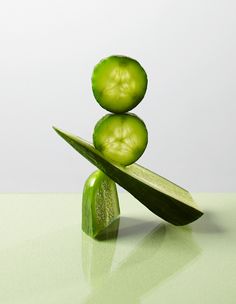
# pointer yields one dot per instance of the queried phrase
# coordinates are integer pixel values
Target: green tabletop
(46, 258)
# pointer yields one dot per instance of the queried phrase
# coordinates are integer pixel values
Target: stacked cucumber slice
(122, 138)
(119, 84)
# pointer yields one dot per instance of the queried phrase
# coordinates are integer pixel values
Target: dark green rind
(172, 209)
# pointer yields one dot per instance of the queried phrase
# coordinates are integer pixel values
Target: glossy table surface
(46, 258)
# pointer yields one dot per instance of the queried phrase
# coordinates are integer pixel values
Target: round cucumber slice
(100, 204)
(122, 138)
(119, 83)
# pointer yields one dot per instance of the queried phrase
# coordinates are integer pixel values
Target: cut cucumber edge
(100, 204)
(164, 198)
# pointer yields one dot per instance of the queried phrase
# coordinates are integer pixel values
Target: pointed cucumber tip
(60, 132)
(56, 129)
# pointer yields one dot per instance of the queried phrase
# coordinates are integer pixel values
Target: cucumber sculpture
(119, 83)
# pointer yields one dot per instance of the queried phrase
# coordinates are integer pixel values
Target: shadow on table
(162, 253)
(208, 224)
(127, 228)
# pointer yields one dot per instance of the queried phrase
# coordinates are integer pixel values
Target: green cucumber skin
(100, 203)
(166, 207)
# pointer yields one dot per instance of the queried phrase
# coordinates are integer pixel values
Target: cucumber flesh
(100, 204)
(164, 198)
(122, 138)
(119, 83)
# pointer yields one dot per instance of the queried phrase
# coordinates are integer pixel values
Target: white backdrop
(48, 50)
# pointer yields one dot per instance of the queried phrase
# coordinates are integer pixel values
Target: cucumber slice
(100, 204)
(164, 198)
(121, 138)
(119, 83)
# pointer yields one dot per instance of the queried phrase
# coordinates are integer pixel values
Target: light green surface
(46, 258)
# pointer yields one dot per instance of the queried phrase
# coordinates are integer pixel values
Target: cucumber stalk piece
(164, 198)
(100, 204)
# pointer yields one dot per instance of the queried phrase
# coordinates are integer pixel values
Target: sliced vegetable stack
(119, 84)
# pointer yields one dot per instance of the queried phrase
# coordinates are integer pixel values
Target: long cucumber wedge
(164, 198)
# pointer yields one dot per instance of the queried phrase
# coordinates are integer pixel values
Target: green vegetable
(100, 204)
(119, 83)
(121, 138)
(162, 197)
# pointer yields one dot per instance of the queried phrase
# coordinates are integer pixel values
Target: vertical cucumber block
(100, 204)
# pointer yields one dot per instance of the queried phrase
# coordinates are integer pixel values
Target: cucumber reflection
(97, 255)
(160, 254)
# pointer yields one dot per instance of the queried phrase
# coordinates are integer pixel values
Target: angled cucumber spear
(162, 197)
